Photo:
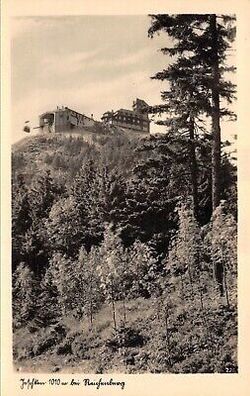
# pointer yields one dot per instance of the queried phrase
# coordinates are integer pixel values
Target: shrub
(125, 336)
(47, 339)
(65, 347)
(80, 347)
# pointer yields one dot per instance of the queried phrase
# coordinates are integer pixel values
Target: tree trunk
(91, 315)
(193, 167)
(124, 310)
(216, 132)
(219, 276)
(167, 337)
(182, 287)
(200, 291)
(190, 279)
(91, 303)
(114, 314)
(226, 287)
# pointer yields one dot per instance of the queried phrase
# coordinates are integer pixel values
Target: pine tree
(48, 307)
(150, 197)
(64, 227)
(21, 219)
(41, 195)
(196, 80)
(24, 289)
(184, 103)
(85, 192)
(99, 192)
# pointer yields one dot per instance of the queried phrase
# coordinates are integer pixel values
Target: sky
(88, 63)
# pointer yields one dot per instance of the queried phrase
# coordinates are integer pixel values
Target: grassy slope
(55, 152)
(79, 360)
(195, 345)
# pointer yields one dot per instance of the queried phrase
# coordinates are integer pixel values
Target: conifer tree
(85, 192)
(99, 192)
(151, 197)
(41, 195)
(48, 307)
(200, 44)
(24, 289)
(21, 219)
(64, 227)
(184, 103)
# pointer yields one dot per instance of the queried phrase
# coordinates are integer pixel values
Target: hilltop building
(67, 120)
(136, 120)
(63, 120)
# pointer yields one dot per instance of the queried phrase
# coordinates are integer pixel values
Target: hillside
(75, 347)
(112, 272)
(61, 154)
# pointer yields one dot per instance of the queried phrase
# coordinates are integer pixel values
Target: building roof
(141, 102)
(58, 110)
(107, 113)
(139, 106)
(46, 113)
(76, 112)
(124, 111)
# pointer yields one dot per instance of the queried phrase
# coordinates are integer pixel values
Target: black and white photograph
(124, 193)
(124, 198)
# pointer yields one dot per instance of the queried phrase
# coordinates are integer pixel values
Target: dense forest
(124, 249)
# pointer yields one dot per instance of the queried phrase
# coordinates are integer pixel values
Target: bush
(125, 337)
(79, 348)
(65, 347)
(47, 339)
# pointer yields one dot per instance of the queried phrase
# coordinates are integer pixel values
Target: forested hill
(110, 259)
